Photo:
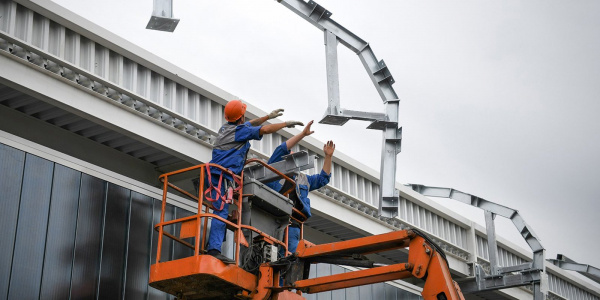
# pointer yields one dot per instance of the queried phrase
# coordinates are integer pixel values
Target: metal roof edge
(116, 43)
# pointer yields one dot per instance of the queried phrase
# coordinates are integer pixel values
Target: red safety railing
(199, 221)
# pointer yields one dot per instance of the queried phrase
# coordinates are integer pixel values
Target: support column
(392, 137)
(491, 238)
(333, 83)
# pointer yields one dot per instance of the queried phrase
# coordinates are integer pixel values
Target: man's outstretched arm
(272, 128)
(274, 114)
(298, 137)
(321, 179)
(328, 150)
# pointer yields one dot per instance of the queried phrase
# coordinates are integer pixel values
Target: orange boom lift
(201, 276)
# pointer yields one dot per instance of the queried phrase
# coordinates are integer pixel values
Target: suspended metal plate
(382, 125)
(334, 120)
(162, 24)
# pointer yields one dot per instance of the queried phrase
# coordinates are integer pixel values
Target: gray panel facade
(69, 235)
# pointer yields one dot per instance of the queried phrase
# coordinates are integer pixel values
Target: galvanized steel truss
(382, 80)
(500, 277)
(566, 263)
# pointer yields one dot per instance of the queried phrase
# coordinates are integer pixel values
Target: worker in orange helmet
(230, 150)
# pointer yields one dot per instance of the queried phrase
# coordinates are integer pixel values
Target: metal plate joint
(318, 12)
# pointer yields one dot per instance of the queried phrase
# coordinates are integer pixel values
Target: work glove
(291, 124)
(276, 113)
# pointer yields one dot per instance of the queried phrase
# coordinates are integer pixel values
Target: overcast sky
(500, 99)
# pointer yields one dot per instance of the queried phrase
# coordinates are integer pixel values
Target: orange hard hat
(234, 110)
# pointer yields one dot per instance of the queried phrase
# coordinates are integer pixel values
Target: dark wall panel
(311, 274)
(390, 292)
(378, 291)
(337, 294)
(352, 293)
(364, 292)
(112, 268)
(167, 244)
(404, 295)
(60, 240)
(86, 265)
(138, 254)
(28, 257)
(12, 162)
(324, 270)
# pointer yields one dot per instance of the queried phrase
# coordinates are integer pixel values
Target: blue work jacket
(303, 187)
(232, 145)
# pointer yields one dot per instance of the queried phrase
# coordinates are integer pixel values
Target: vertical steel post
(491, 238)
(472, 246)
(333, 84)
(540, 288)
(163, 8)
(392, 136)
(391, 147)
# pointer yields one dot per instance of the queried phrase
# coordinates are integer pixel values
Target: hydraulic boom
(258, 273)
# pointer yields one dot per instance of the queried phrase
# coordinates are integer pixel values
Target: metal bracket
(389, 205)
(162, 16)
(290, 165)
(379, 121)
(317, 12)
(383, 73)
(397, 142)
(483, 282)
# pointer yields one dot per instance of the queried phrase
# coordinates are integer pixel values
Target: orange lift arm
(424, 262)
(202, 276)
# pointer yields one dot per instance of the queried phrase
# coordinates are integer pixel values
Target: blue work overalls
(304, 184)
(230, 150)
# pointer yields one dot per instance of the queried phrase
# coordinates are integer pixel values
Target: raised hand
(329, 148)
(306, 131)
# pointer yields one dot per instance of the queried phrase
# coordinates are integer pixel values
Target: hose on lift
(438, 249)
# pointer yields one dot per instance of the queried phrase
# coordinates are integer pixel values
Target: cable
(252, 258)
(438, 249)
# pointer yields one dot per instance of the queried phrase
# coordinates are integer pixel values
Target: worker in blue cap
(230, 150)
(304, 183)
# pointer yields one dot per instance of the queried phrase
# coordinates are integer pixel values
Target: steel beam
(526, 232)
(499, 278)
(491, 239)
(333, 86)
(566, 263)
(516, 268)
(482, 282)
